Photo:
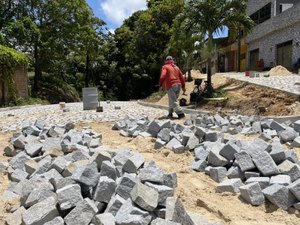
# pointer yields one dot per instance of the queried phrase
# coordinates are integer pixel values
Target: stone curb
(188, 111)
(279, 119)
(266, 86)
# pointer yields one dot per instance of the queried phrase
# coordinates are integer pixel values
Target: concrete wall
(267, 46)
(277, 24)
(21, 82)
(279, 29)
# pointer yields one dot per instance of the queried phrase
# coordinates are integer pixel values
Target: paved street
(287, 83)
(11, 120)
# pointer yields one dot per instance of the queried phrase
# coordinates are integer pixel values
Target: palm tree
(182, 44)
(211, 17)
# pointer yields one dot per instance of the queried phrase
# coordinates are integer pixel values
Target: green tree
(141, 42)
(52, 30)
(103, 69)
(184, 45)
(8, 10)
(211, 17)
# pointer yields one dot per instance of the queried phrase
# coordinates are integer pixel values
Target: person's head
(169, 60)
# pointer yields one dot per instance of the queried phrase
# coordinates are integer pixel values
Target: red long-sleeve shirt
(171, 75)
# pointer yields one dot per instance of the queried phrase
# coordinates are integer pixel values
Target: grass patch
(30, 75)
(31, 101)
(219, 94)
(156, 96)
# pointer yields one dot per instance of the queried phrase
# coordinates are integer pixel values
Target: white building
(275, 40)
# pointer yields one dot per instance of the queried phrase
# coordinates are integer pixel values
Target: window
(262, 15)
(255, 17)
(265, 13)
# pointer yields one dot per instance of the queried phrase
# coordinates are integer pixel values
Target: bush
(30, 101)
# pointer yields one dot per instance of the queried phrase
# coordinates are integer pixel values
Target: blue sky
(113, 12)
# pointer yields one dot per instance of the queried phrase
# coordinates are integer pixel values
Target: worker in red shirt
(171, 79)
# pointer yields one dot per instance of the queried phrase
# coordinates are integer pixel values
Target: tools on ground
(195, 96)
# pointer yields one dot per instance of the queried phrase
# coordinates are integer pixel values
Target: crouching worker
(172, 80)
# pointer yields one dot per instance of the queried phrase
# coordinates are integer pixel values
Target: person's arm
(163, 76)
(182, 80)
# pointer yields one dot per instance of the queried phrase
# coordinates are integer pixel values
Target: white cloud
(112, 31)
(118, 10)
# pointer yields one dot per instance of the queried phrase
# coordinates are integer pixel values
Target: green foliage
(30, 74)
(53, 32)
(211, 17)
(159, 94)
(182, 44)
(55, 82)
(30, 101)
(68, 48)
(54, 90)
(141, 42)
(9, 60)
(219, 94)
(2, 39)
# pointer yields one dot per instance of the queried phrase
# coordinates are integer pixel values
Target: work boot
(181, 115)
(170, 116)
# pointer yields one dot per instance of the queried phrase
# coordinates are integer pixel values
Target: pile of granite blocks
(63, 176)
(264, 168)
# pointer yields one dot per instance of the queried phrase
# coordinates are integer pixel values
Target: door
(254, 57)
(231, 61)
(221, 63)
(284, 54)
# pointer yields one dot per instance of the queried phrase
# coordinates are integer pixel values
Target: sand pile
(279, 70)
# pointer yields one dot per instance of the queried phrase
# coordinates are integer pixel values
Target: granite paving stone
(41, 212)
(252, 193)
(82, 214)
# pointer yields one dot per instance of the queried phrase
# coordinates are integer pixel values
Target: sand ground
(195, 189)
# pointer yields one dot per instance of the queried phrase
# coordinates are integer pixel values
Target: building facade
(275, 40)
(229, 57)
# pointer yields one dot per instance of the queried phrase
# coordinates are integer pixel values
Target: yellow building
(228, 57)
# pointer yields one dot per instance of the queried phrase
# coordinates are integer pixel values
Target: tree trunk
(3, 93)
(87, 63)
(189, 75)
(239, 51)
(209, 90)
(37, 70)
(2, 83)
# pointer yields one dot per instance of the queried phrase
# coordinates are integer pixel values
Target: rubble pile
(260, 169)
(63, 176)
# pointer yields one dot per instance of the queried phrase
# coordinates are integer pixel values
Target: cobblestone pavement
(11, 120)
(287, 83)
